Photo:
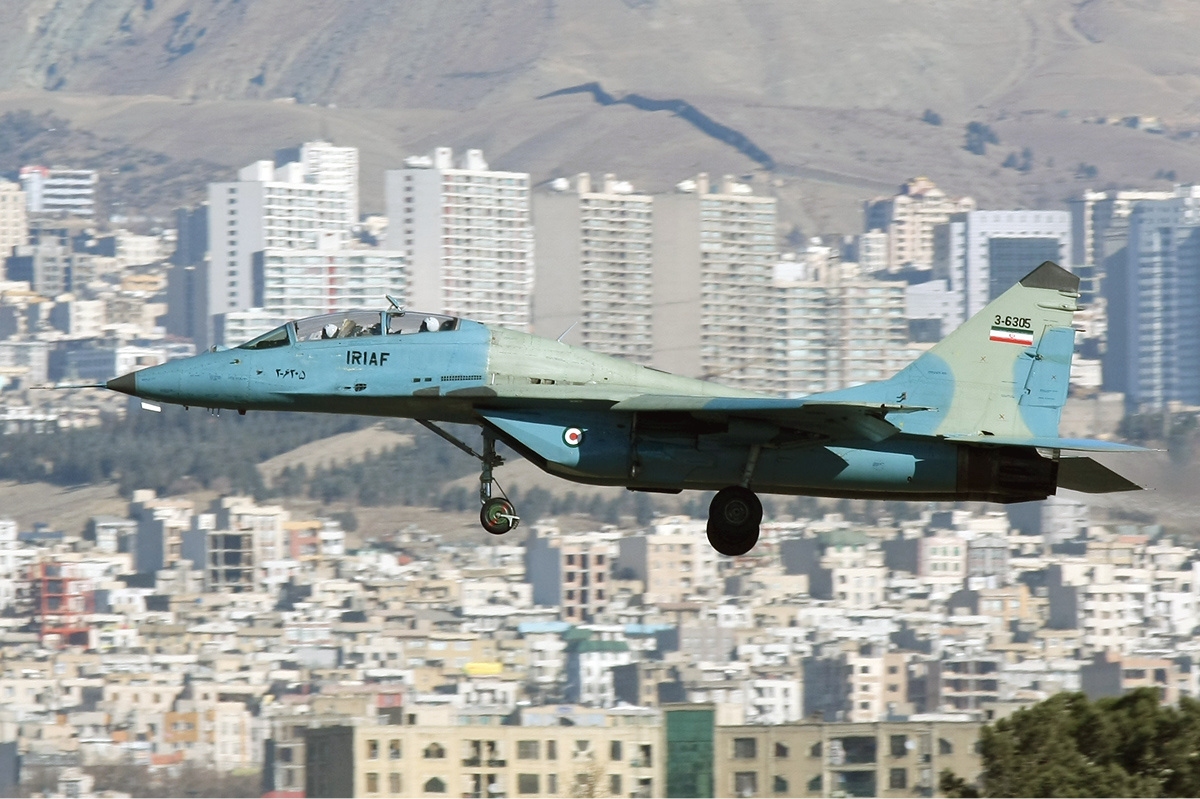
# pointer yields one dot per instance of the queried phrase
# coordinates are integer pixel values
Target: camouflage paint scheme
(975, 417)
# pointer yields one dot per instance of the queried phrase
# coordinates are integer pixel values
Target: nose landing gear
(497, 515)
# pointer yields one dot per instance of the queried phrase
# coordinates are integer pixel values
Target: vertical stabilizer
(1004, 372)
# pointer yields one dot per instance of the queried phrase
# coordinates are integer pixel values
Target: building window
(781, 750)
(899, 745)
(814, 785)
(780, 785)
(435, 751)
(945, 747)
(435, 785)
(614, 752)
(394, 749)
(745, 748)
(372, 782)
(552, 750)
(551, 784)
(528, 783)
(372, 750)
(527, 750)
(815, 750)
(394, 783)
(745, 783)
(614, 784)
(898, 778)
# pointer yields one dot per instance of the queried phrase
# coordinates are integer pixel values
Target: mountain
(831, 92)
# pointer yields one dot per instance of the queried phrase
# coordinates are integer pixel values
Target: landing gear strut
(733, 519)
(497, 515)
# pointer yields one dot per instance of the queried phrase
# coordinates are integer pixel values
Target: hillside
(832, 92)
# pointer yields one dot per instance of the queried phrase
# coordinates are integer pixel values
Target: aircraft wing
(839, 417)
(820, 417)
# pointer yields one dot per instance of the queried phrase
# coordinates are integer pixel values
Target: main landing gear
(497, 515)
(735, 513)
(733, 518)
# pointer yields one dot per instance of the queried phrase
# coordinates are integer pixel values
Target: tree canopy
(1069, 746)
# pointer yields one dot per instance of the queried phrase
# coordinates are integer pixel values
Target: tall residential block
(713, 256)
(14, 222)
(836, 326)
(330, 165)
(1154, 305)
(266, 208)
(908, 218)
(54, 190)
(1099, 231)
(467, 232)
(983, 253)
(300, 283)
(594, 246)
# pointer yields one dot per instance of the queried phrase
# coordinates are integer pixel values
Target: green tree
(1069, 746)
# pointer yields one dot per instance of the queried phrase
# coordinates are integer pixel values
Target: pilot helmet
(330, 330)
(433, 323)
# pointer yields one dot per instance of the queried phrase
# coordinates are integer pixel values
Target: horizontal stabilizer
(1091, 477)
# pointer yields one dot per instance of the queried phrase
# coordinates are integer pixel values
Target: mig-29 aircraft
(974, 418)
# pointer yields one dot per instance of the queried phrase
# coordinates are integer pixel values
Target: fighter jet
(974, 418)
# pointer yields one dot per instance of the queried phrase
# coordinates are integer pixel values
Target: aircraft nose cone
(126, 384)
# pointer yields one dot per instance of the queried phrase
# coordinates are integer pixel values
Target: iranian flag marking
(1011, 335)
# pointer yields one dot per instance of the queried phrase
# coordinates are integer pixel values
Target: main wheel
(733, 519)
(498, 516)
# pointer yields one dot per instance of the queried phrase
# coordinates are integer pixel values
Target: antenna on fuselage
(568, 330)
(396, 306)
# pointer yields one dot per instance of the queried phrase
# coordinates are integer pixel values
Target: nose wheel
(498, 516)
(733, 519)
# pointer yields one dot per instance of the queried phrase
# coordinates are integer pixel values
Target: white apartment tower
(268, 208)
(836, 327)
(467, 233)
(594, 247)
(14, 221)
(331, 165)
(714, 252)
(909, 217)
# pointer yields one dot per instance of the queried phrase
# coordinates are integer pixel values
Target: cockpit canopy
(352, 324)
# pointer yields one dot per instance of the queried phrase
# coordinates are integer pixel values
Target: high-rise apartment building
(300, 283)
(467, 233)
(330, 165)
(1099, 231)
(908, 219)
(983, 253)
(713, 256)
(836, 327)
(267, 208)
(303, 205)
(1153, 298)
(594, 247)
(14, 221)
(53, 190)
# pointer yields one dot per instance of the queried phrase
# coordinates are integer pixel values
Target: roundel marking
(572, 437)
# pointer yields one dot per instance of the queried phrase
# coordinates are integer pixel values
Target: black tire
(733, 519)
(498, 516)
